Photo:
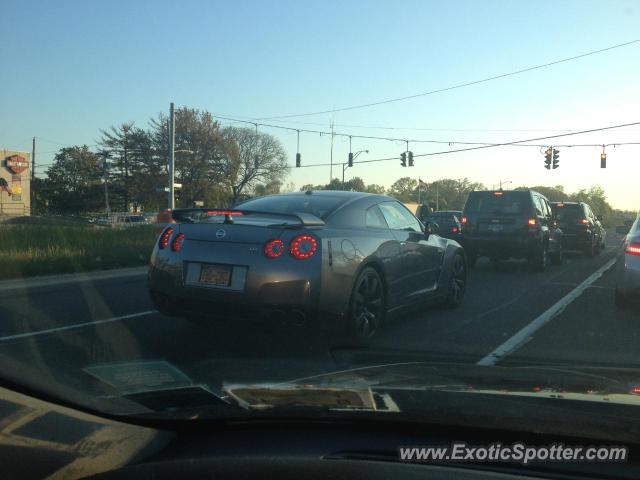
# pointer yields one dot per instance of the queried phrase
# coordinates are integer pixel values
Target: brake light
(532, 222)
(455, 229)
(176, 245)
(303, 247)
(464, 220)
(273, 248)
(498, 194)
(633, 249)
(583, 221)
(635, 390)
(237, 213)
(164, 238)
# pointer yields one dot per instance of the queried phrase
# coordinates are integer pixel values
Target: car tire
(557, 257)
(590, 250)
(367, 306)
(457, 282)
(540, 259)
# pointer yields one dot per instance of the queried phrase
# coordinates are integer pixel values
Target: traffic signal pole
(172, 156)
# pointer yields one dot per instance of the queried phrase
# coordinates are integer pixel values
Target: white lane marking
(524, 335)
(55, 280)
(76, 325)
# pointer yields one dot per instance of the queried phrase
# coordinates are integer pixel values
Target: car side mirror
(431, 228)
(623, 229)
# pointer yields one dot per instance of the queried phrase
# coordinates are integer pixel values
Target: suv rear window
(568, 213)
(498, 202)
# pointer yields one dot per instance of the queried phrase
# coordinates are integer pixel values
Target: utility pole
(33, 174)
(106, 186)
(33, 159)
(172, 153)
(331, 168)
(126, 173)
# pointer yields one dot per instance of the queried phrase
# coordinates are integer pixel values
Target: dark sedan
(448, 222)
(310, 257)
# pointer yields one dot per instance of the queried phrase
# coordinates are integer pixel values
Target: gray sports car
(355, 259)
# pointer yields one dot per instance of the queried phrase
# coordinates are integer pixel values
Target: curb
(65, 278)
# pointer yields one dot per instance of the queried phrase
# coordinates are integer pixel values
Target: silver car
(628, 265)
(306, 258)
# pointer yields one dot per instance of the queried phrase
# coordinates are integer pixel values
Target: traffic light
(350, 159)
(603, 160)
(403, 159)
(556, 162)
(547, 158)
(298, 160)
(411, 159)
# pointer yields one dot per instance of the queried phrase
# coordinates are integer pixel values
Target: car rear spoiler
(305, 219)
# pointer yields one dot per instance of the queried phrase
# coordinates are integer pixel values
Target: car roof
(328, 193)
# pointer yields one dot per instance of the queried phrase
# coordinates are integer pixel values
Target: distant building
(15, 183)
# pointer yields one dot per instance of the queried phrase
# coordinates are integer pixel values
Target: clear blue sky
(71, 68)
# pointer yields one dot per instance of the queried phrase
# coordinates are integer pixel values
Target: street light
(346, 165)
(503, 182)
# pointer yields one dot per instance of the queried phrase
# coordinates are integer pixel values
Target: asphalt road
(511, 316)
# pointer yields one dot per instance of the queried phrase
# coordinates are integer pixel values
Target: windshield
(318, 205)
(569, 213)
(212, 209)
(498, 202)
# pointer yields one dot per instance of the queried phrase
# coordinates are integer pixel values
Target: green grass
(30, 250)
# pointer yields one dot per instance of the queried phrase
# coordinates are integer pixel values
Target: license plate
(495, 228)
(219, 275)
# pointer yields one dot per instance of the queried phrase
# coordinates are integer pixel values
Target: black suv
(503, 224)
(581, 228)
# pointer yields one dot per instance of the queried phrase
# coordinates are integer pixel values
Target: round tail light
(273, 248)
(303, 247)
(176, 245)
(164, 238)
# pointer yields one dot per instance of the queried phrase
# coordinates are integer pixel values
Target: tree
(448, 194)
(373, 188)
(260, 157)
(597, 200)
(74, 182)
(553, 194)
(404, 189)
(117, 141)
(356, 184)
(270, 188)
(205, 163)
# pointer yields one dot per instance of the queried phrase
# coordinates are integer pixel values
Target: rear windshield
(568, 213)
(498, 202)
(315, 205)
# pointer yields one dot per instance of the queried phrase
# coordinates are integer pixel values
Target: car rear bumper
(576, 241)
(501, 247)
(628, 275)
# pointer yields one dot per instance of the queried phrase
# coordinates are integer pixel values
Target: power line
(515, 142)
(404, 140)
(453, 87)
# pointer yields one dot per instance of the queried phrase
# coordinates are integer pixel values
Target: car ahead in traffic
(628, 265)
(448, 222)
(581, 229)
(356, 258)
(502, 224)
